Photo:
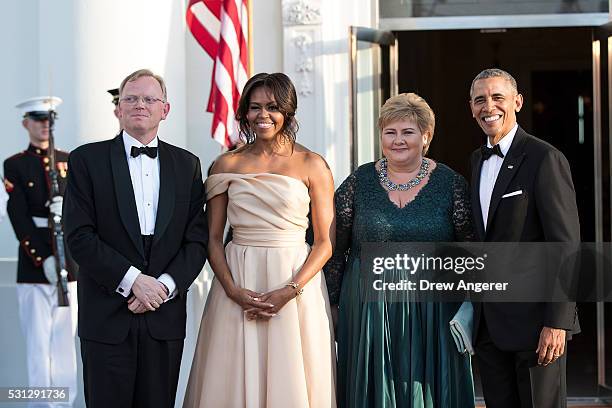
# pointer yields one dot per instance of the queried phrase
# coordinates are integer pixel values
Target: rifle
(55, 222)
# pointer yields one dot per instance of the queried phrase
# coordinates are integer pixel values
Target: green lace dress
(397, 354)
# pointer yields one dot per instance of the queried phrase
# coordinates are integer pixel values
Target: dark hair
(286, 98)
(494, 73)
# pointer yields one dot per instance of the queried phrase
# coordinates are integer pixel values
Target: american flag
(221, 27)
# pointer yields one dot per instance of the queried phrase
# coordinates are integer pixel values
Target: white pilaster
(302, 43)
(316, 57)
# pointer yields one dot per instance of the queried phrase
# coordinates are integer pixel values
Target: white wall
(20, 81)
(324, 113)
(77, 49)
(335, 68)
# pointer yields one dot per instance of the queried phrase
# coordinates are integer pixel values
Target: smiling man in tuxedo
(522, 191)
(135, 225)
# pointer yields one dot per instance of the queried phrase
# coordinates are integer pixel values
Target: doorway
(553, 69)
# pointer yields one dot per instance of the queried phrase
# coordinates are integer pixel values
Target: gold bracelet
(295, 286)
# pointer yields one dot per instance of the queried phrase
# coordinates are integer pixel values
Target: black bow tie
(490, 151)
(149, 151)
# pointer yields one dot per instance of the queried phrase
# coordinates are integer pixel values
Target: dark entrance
(554, 71)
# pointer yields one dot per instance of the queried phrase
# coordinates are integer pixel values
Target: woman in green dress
(398, 354)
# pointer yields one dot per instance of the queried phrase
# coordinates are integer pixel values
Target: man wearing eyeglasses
(135, 224)
(49, 330)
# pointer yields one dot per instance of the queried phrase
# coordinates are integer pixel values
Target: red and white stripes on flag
(222, 29)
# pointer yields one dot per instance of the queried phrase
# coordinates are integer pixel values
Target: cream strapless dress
(288, 361)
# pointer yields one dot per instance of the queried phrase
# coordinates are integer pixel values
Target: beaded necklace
(391, 186)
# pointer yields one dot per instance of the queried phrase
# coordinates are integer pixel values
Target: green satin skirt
(398, 353)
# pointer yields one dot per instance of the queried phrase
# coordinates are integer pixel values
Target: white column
(87, 46)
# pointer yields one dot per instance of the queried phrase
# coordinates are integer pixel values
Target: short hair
(285, 96)
(412, 107)
(144, 73)
(494, 73)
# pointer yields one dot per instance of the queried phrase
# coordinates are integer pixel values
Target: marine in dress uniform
(49, 330)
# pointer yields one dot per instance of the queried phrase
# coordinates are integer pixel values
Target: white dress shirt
(144, 173)
(490, 170)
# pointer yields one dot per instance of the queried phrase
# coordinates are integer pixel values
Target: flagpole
(250, 42)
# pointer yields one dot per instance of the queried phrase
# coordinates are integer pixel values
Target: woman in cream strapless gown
(266, 337)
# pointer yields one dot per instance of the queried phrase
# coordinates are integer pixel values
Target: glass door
(602, 151)
(373, 79)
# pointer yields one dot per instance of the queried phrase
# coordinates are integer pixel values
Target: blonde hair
(412, 107)
(144, 73)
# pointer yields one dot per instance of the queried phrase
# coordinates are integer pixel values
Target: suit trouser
(49, 333)
(513, 379)
(140, 372)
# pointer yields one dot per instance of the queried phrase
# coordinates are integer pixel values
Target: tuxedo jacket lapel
(124, 192)
(165, 205)
(476, 209)
(508, 170)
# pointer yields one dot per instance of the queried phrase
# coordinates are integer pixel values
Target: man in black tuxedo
(522, 191)
(135, 225)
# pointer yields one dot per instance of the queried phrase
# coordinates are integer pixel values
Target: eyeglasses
(133, 99)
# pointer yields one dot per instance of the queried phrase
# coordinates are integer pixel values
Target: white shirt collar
(506, 141)
(129, 141)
